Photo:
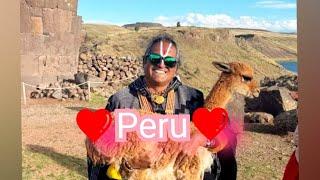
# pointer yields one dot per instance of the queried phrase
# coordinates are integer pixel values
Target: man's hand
(220, 142)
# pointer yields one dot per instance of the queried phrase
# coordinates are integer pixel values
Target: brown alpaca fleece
(163, 156)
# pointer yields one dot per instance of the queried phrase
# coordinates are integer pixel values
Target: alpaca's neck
(219, 95)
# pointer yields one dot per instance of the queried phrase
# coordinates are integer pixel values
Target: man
(158, 91)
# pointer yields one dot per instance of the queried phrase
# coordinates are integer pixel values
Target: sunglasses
(155, 59)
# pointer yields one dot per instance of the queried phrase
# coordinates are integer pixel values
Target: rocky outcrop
(258, 117)
(50, 39)
(288, 81)
(276, 104)
(142, 24)
(244, 36)
(275, 100)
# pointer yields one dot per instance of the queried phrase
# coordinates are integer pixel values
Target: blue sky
(274, 15)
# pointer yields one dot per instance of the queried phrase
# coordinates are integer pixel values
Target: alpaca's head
(239, 76)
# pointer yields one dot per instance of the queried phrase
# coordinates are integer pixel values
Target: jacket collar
(141, 86)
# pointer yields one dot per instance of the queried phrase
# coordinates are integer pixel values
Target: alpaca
(177, 160)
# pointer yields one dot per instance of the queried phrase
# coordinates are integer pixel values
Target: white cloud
(276, 5)
(102, 22)
(223, 20)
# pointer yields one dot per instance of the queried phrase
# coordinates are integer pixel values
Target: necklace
(157, 97)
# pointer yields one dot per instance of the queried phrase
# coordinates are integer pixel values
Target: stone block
(275, 100)
(25, 21)
(36, 25)
(29, 65)
(51, 4)
(48, 20)
(36, 11)
(35, 3)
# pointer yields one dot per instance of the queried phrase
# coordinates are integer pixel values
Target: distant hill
(142, 24)
(199, 47)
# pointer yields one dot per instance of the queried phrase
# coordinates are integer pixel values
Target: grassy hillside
(199, 47)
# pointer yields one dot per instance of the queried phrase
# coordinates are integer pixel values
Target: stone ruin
(50, 39)
(111, 73)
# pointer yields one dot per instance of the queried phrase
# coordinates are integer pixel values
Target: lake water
(290, 65)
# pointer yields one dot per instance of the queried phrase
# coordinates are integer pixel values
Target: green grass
(262, 156)
(43, 164)
(97, 101)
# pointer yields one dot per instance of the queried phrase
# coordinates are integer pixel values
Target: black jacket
(187, 99)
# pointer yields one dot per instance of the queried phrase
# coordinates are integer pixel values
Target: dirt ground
(53, 145)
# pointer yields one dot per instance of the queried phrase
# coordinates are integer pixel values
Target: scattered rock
(258, 117)
(85, 92)
(110, 73)
(57, 94)
(65, 96)
(35, 95)
(83, 57)
(286, 121)
(80, 78)
(103, 75)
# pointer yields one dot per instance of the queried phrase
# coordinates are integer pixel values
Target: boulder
(288, 81)
(35, 95)
(294, 95)
(65, 96)
(129, 74)
(103, 75)
(275, 100)
(258, 117)
(252, 104)
(66, 93)
(80, 78)
(57, 94)
(83, 57)
(286, 121)
(89, 64)
(110, 73)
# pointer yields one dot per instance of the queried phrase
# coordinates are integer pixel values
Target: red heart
(210, 123)
(94, 124)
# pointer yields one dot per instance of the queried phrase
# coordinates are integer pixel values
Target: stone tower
(50, 39)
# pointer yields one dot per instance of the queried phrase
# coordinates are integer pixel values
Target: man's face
(161, 74)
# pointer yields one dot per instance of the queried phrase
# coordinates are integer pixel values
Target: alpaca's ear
(224, 67)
